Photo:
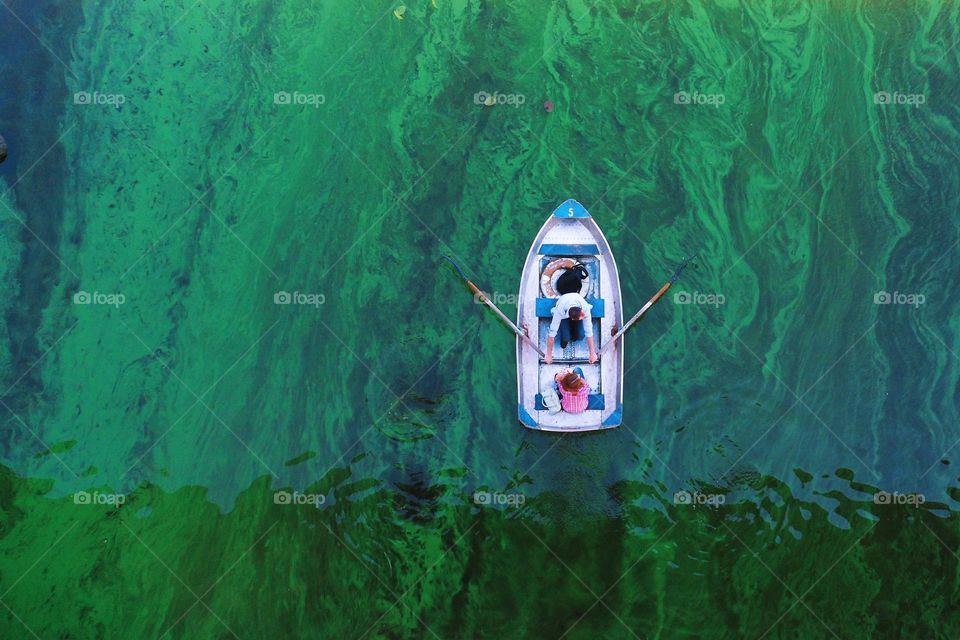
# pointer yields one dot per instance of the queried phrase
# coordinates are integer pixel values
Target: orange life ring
(546, 278)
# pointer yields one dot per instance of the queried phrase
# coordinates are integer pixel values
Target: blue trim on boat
(615, 418)
(571, 209)
(594, 401)
(525, 417)
(569, 250)
(545, 307)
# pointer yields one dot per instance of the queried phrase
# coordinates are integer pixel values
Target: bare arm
(549, 357)
(593, 351)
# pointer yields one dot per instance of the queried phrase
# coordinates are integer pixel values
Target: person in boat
(572, 321)
(573, 389)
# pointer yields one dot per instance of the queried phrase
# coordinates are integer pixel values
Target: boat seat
(594, 402)
(569, 250)
(545, 307)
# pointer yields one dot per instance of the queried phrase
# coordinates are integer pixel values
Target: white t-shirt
(562, 311)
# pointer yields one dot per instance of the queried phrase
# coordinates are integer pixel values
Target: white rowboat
(570, 232)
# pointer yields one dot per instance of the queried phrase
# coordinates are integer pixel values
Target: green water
(807, 151)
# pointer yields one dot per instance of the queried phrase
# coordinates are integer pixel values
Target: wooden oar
(652, 301)
(483, 298)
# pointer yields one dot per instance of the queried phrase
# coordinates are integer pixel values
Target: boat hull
(570, 232)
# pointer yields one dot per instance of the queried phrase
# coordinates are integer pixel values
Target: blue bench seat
(545, 307)
(594, 402)
(569, 250)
